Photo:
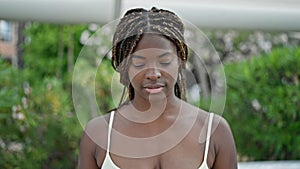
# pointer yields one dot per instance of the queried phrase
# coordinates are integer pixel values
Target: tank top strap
(209, 126)
(110, 124)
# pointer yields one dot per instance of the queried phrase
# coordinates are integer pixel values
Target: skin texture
(153, 72)
(153, 64)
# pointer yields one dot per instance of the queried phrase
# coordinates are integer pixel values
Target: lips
(154, 88)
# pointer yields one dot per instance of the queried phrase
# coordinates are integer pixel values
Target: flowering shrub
(37, 126)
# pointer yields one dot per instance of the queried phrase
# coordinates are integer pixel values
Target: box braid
(129, 32)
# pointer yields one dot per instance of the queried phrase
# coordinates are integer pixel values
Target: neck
(152, 109)
(156, 103)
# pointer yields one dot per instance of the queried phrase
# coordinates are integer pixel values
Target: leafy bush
(37, 127)
(47, 47)
(263, 99)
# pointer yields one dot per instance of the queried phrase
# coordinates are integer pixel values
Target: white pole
(58, 11)
(236, 14)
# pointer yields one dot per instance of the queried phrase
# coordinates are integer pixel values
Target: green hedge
(38, 128)
(262, 105)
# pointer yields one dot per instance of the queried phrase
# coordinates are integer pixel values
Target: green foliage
(262, 105)
(37, 127)
(106, 82)
(43, 45)
(8, 92)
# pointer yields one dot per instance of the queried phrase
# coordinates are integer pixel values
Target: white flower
(26, 87)
(84, 37)
(25, 102)
(93, 27)
(15, 147)
(14, 115)
(256, 105)
(20, 116)
(2, 144)
(14, 108)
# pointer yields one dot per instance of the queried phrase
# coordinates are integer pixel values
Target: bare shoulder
(96, 122)
(221, 124)
(93, 143)
(224, 144)
(96, 129)
(221, 128)
(223, 150)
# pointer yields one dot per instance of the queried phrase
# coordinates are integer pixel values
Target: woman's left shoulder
(223, 143)
(220, 123)
(222, 134)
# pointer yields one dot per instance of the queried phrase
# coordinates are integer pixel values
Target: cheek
(171, 71)
(172, 74)
(134, 76)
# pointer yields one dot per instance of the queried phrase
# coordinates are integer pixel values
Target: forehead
(155, 41)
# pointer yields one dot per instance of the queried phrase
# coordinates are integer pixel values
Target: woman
(155, 128)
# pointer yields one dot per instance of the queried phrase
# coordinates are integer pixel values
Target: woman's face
(154, 67)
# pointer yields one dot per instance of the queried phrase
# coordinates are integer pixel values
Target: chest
(169, 146)
(189, 153)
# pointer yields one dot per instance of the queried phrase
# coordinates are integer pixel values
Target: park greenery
(38, 126)
(262, 105)
(40, 129)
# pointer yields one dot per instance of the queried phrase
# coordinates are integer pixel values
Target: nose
(153, 74)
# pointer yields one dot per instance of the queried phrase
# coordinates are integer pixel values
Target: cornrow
(129, 32)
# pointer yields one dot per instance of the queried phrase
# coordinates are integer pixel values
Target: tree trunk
(20, 49)
(71, 50)
(60, 51)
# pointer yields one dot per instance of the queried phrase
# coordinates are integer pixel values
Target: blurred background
(257, 43)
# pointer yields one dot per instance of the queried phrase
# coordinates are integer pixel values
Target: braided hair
(129, 32)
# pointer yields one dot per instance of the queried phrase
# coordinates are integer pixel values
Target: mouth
(154, 88)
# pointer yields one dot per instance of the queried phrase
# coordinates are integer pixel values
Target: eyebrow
(142, 57)
(164, 54)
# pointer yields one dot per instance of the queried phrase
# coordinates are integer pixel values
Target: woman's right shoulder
(97, 122)
(96, 129)
(93, 142)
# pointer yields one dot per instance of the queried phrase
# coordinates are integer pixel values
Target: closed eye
(138, 64)
(166, 59)
(138, 61)
(165, 63)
